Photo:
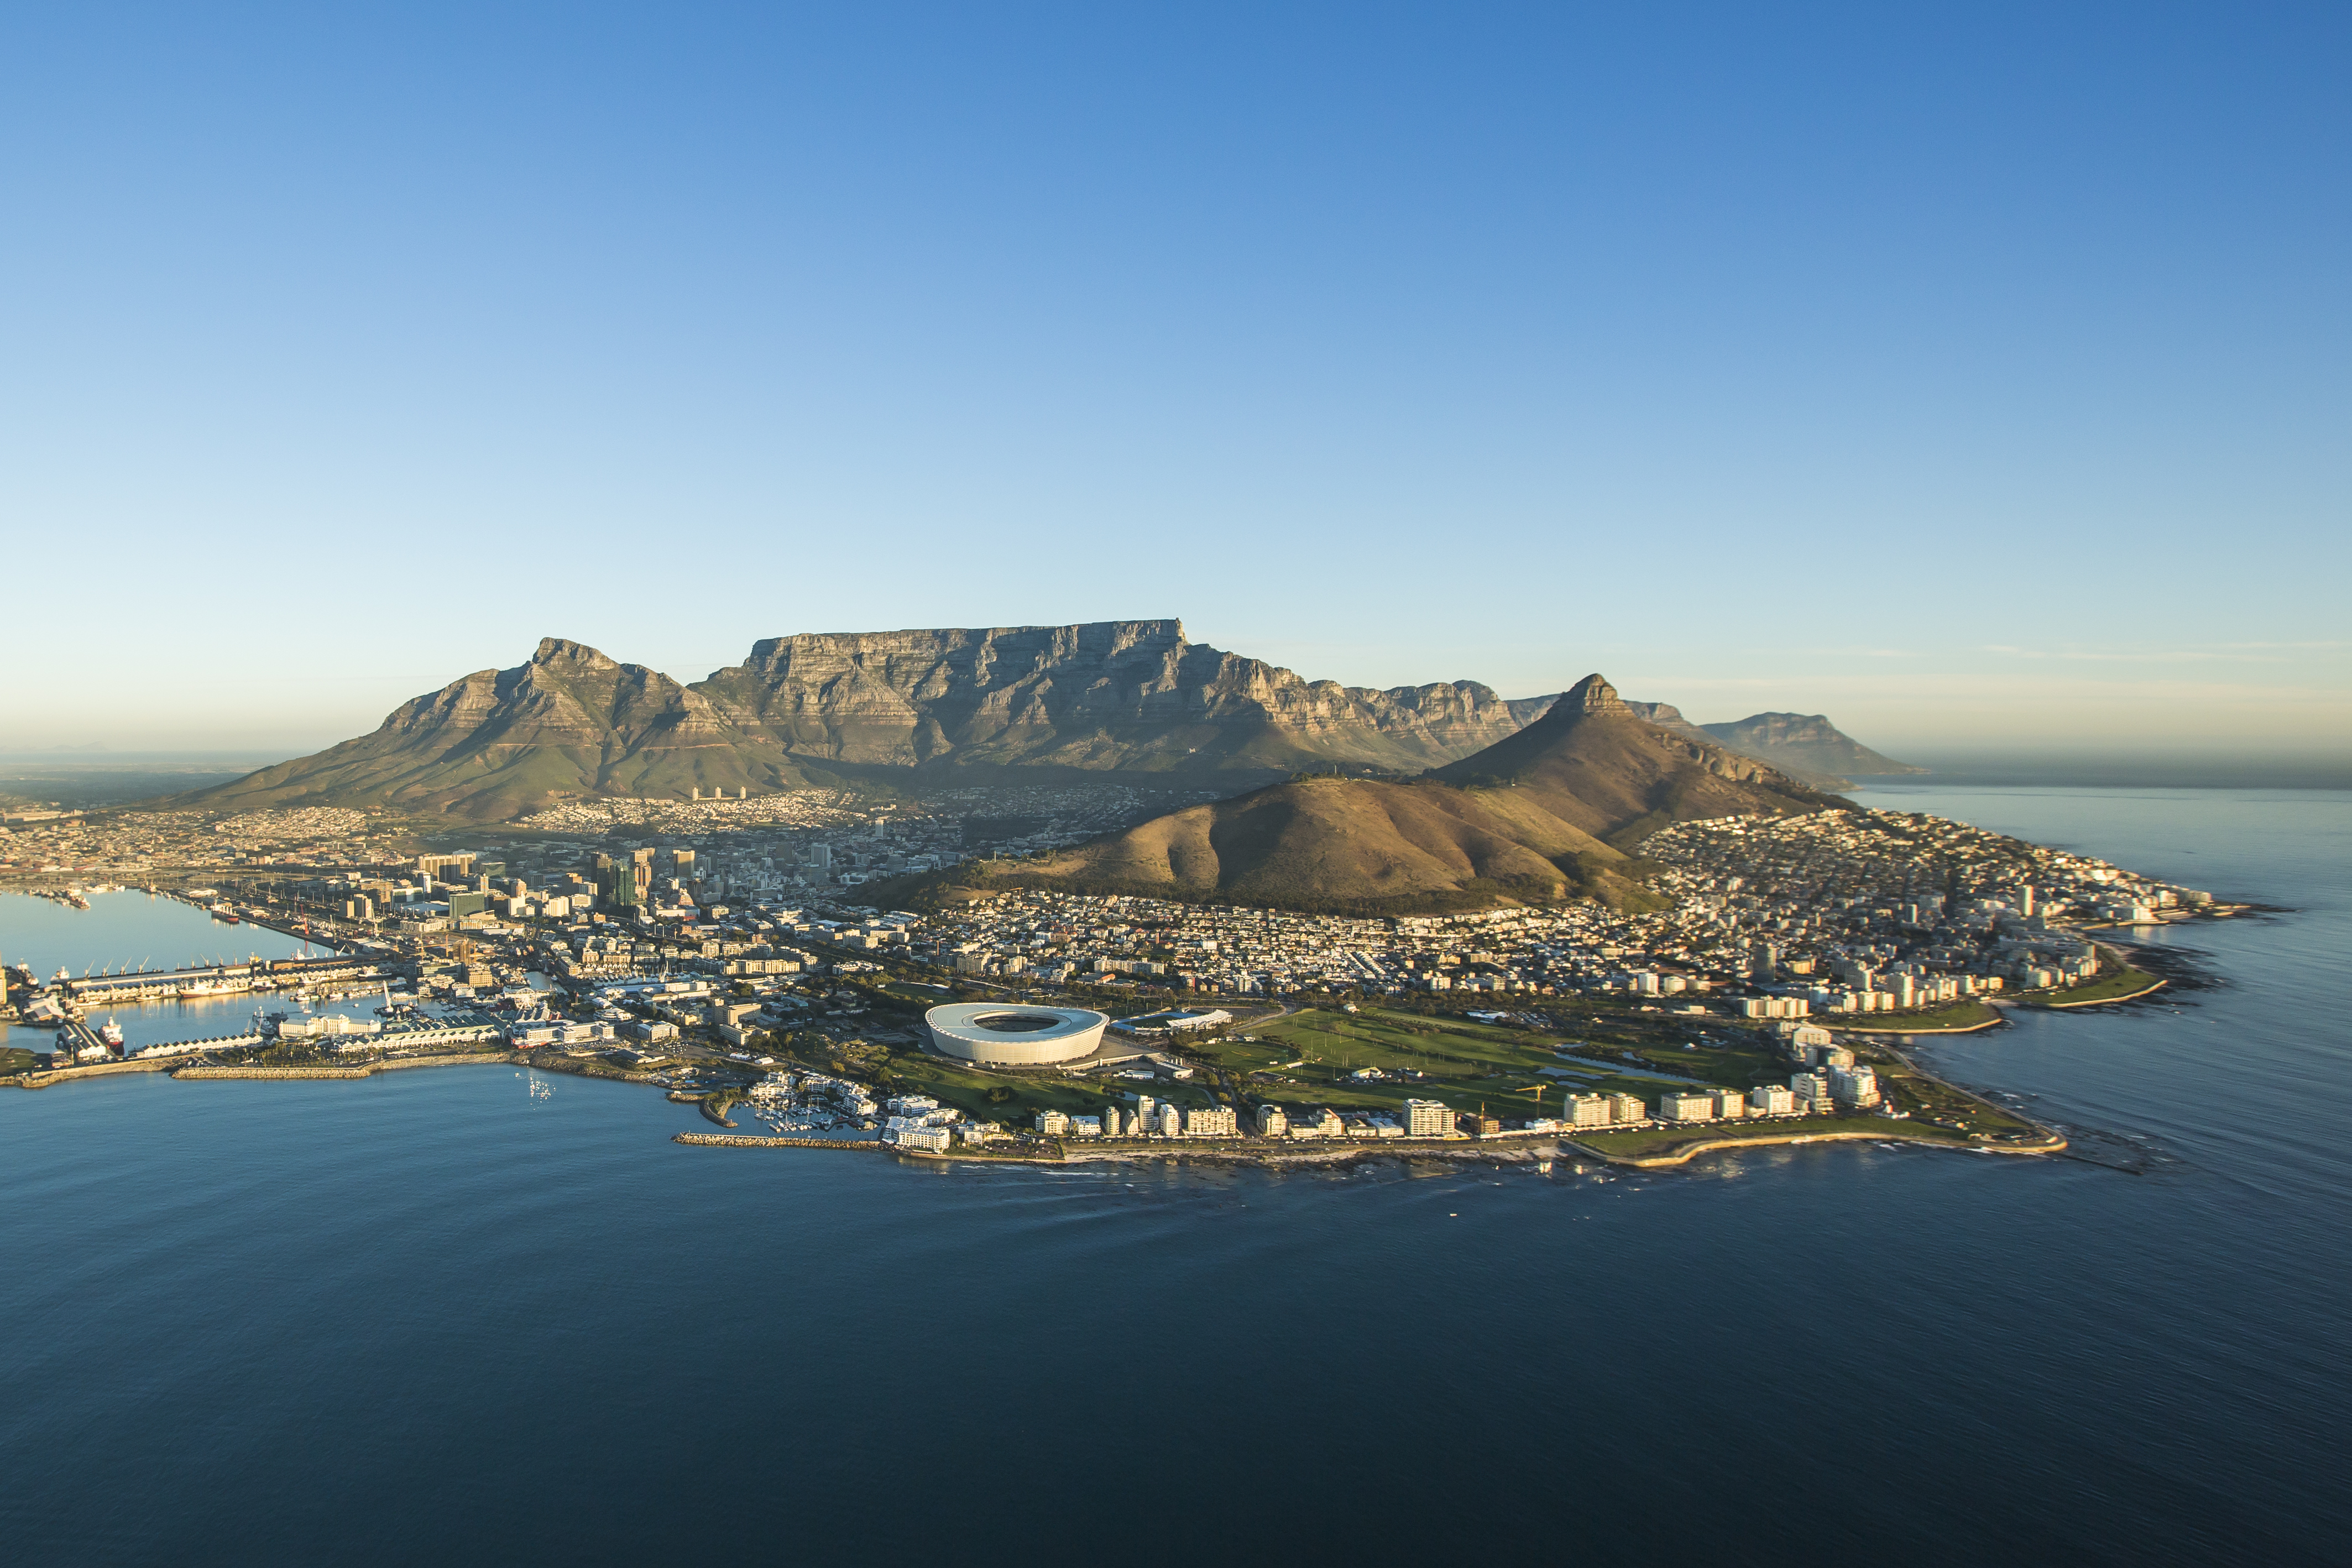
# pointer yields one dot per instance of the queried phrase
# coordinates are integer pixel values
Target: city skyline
(1976, 380)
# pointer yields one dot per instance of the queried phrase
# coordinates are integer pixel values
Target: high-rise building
(618, 883)
(1857, 1087)
(1428, 1118)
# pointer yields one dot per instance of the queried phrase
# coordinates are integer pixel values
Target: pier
(211, 980)
(744, 1141)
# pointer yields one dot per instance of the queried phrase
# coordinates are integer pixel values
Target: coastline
(2055, 1145)
(363, 1069)
(1963, 1030)
(2100, 1001)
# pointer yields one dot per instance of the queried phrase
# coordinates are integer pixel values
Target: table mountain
(830, 708)
(1130, 695)
(1105, 694)
(1806, 746)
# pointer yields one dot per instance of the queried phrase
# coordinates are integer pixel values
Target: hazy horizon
(1992, 751)
(1975, 378)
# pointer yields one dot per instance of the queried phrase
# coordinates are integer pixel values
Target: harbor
(133, 976)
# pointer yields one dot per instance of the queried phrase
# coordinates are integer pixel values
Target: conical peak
(1593, 695)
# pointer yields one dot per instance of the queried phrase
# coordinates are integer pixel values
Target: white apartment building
(1428, 1118)
(1857, 1087)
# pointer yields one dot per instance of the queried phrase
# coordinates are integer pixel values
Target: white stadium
(1008, 1035)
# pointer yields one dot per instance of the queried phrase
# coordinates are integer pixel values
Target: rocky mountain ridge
(828, 708)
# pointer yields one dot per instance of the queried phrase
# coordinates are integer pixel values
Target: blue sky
(1977, 374)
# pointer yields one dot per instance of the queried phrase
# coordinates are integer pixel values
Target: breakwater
(1684, 1154)
(744, 1141)
(95, 1069)
(469, 1058)
(203, 1071)
(366, 1069)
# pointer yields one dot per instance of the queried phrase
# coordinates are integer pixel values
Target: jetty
(745, 1141)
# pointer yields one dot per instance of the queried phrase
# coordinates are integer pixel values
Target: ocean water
(429, 1315)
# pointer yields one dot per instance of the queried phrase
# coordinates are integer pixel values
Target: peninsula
(1582, 926)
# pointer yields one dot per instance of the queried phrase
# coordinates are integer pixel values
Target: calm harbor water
(128, 930)
(131, 929)
(429, 1314)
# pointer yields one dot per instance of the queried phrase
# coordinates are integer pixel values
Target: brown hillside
(1591, 764)
(1541, 815)
(1330, 844)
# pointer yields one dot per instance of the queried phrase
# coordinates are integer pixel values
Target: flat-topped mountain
(1105, 694)
(1806, 746)
(1130, 695)
(1551, 810)
(830, 708)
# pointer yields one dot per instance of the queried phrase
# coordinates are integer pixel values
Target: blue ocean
(432, 1316)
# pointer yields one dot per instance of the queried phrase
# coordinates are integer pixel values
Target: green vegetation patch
(1467, 1064)
(1970, 1013)
(1644, 1142)
(2106, 986)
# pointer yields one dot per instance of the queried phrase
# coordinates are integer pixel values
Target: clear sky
(1977, 374)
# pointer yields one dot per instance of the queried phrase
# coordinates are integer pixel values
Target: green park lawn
(1646, 1141)
(2106, 986)
(1968, 1013)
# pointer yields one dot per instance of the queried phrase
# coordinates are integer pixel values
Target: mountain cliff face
(1806, 745)
(1104, 695)
(1134, 695)
(1553, 809)
(1107, 694)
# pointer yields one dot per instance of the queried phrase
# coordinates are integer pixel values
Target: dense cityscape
(723, 949)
